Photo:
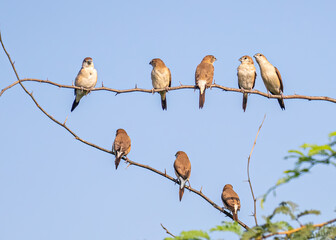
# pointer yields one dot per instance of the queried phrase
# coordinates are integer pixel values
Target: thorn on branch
(129, 164)
(165, 173)
(136, 86)
(201, 189)
(65, 120)
(180, 83)
(102, 84)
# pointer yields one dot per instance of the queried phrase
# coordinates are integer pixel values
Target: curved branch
(136, 89)
(108, 151)
(298, 229)
(248, 174)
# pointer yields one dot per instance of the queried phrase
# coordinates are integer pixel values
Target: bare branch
(136, 89)
(298, 229)
(248, 173)
(167, 231)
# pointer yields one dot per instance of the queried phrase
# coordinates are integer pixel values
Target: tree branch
(167, 231)
(108, 151)
(136, 89)
(298, 229)
(248, 173)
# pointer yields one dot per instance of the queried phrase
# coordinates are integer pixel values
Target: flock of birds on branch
(161, 79)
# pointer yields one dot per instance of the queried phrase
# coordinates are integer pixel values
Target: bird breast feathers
(86, 78)
(160, 78)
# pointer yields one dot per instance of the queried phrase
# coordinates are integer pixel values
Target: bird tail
(74, 105)
(282, 104)
(201, 99)
(244, 101)
(181, 193)
(117, 159)
(182, 185)
(234, 213)
(163, 100)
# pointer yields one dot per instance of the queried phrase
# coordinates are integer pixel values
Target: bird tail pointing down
(163, 100)
(182, 185)
(244, 101)
(117, 159)
(282, 104)
(234, 213)
(74, 105)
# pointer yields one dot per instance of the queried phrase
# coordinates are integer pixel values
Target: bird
(231, 200)
(121, 145)
(86, 78)
(246, 72)
(204, 76)
(182, 168)
(271, 77)
(161, 78)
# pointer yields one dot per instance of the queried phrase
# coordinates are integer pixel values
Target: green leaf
(228, 227)
(308, 212)
(296, 151)
(193, 235)
(332, 134)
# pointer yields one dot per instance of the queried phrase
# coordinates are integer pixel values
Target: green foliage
(191, 235)
(228, 227)
(305, 160)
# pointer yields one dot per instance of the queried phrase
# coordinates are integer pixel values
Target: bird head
(246, 59)
(87, 62)
(209, 59)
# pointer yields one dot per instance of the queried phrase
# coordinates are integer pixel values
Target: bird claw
(167, 88)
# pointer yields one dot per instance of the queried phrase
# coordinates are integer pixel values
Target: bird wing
(169, 78)
(280, 79)
(183, 167)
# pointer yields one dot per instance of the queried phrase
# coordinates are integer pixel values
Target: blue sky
(54, 187)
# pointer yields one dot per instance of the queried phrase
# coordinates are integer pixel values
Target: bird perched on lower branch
(182, 168)
(271, 77)
(161, 78)
(121, 145)
(204, 76)
(246, 76)
(231, 200)
(86, 78)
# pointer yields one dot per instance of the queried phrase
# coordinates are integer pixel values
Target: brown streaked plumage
(204, 76)
(161, 78)
(271, 77)
(182, 168)
(231, 200)
(121, 145)
(246, 76)
(86, 78)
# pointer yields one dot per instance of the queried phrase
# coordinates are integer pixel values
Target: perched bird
(231, 200)
(271, 77)
(246, 76)
(161, 78)
(121, 146)
(86, 78)
(204, 76)
(182, 168)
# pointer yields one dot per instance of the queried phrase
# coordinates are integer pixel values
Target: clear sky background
(54, 187)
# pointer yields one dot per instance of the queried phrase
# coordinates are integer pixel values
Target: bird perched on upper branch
(204, 76)
(246, 76)
(271, 77)
(86, 78)
(161, 78)
(121, 145)
(182, 168)
(231, 200)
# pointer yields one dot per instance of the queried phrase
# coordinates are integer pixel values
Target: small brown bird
(271, 77)
(182, 168)
(204, 76)
(231, 200)
(121, 146)
(161, 78)
(86, 78)
(246, 76)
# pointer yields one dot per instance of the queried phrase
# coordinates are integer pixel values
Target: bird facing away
(246, 76)
(182, 168)
(271, 77)
(161, 78)
(121, 146)
(231, 200)
(204, 76)
(86, 78)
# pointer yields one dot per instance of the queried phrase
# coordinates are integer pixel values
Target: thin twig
(110, 152)
(136, 89)
(248, 174)
(168, 231)
(298, 229)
